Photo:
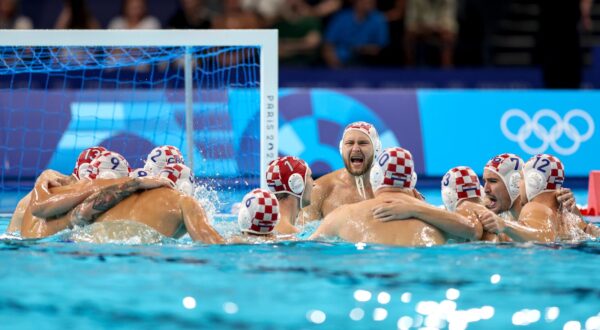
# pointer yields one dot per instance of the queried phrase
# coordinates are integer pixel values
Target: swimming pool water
(304, 285)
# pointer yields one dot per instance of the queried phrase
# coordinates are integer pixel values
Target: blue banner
(469, 127)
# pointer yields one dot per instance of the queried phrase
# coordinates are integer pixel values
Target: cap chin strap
(360, 186)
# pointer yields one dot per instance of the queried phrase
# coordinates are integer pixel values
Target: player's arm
(314, 211)
(535, 224)
(47, 202)
(196, 222)
(107, 197)
(17, 218)
(34, 227)
(592, 229)
(329, 225)
(452, 223)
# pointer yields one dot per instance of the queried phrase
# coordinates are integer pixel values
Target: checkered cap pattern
(504, 163)
(176, 172)
(264, 209)
(161, 156)
(86, 157)
(172, 172)
(555, 172)
(362, 126)
(466, 182)
(109, 161)
(280, 170)
(398, 167)
(367, 129)
(172, 152)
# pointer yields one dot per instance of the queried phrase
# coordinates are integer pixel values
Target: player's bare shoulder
(536, 210)
(325, 184)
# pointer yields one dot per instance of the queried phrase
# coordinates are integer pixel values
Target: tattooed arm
(108, 197)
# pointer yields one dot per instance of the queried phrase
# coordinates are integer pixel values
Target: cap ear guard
(513, 186)
(534, 184)
(376, 148)
(450, 198)
(376, 176)
(83, 171)
(108, 175)
(244, 218)
(413, 180)
(296, 183)
(185, 187)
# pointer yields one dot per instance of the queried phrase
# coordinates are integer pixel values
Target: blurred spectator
(268, 10)
(434, 23)
(355, 36)
(479, 21)
(134, 15)
(560, 44)
(9, 18)
(192, 14)
(299, 34)
(394, 14)
(235, 17)
(76, 15)
(324, 8)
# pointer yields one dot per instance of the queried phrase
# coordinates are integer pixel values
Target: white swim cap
(259, 212)
(287, 175)
(83, 161)
(508, 167)
(109, 165)
(459, 183)
(367, 129)
(542, 173)
(139, 173)
(413, 180)
(393, 168)
(180, 176)
(162, 156)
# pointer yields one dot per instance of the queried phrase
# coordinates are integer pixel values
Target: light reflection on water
(333, 285)
(325, 285)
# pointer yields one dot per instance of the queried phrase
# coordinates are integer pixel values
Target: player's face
(308, 189)
(357, 152)
(497, 198)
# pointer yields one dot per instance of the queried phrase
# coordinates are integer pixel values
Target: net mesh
(57, 101)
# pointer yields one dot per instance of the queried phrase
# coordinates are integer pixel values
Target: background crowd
(556, 35)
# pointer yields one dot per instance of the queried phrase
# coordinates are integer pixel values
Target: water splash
(208, 197)
(116, 232)
(571, 230)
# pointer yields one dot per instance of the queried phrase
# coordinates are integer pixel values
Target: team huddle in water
(373, 199)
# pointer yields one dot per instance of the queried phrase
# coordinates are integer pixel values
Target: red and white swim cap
(139, 173)
(181, 177)
(259, 212)
(287, 175)
(84, 160)
(542, 173)
(367, 129)
(394, 168)
(459, 183)
(162, 156)
(109, 165)
(508, 168)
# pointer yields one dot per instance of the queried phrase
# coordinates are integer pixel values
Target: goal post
(196, 89)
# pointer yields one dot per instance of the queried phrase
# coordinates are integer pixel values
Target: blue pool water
(304, 285)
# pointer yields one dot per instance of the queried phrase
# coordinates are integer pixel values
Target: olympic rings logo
(549, 137)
